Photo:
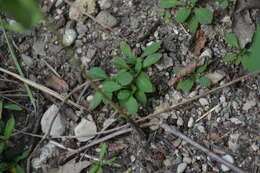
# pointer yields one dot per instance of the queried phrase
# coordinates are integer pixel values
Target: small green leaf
(203, 15)
(110, 160)
(138, 65)
(252, 61)
(170, 3)
(176, 70)
(124, 78)
(151, 59)
(123, 94)
(131, 105)
(94, 169)
(95, 101)
(1, 109)
(23, 156)
(185, 85)
(143, 83)
(182, 14)
(239, 60)
(19, 169)
(126, 50)
(2, 126)
(131, 60)
(9, 128)
(205, 82)
(110, 86)
(193, 24)
(223, 3)
(120, 63)
(2, 147)
(151, 49)
(109, 95)
(204, 66)
(12, 107)
(97, 73)
(103, 151)
(230, 57)
(194, 2)
(141, 97)
(231, 39)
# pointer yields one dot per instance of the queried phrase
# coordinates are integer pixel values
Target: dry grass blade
(11, 50)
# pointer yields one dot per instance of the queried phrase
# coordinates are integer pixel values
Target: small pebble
(203, 101)
(105, 4)
(180, 121)
(167, 163)
(229, 159)
(107, 19)
(69, 37)
(190, 122)
(249, 104)
(27, 60)
(181, 167)
(187, 160)
(233, 142)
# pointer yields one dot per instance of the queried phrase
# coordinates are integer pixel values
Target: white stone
(190, 122)
(181, 167)
(105, 4)
(229, 159)
(69, 37)
(106, 19)
(167, 163)
(233, 142)
(203, 101)
(249, 104)
(27, 60)
(86, 129)
(180, 121)
(216, 76)
(58, 127)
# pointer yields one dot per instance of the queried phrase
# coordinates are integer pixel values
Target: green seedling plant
(131, 84)
(97, 165)
(223, 4)
(248, 57)
(9, 162)
(189, 13)
(197, 77)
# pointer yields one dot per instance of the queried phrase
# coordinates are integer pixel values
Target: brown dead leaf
(186, 71)
(200, 42)
(57, 83)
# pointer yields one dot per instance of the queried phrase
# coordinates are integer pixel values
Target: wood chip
(200, 42)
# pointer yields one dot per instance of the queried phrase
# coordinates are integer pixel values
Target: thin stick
(200, 147)
(51, 68)
(207, 113)
(41, 88)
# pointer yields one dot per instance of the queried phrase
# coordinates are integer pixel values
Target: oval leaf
(97, 73)
(109, 95)
(141, 97)
(170, 3)
(9, 128)
(126, 50)
(143, 83)
(12, 107)
(185, 85)
(203, 15)
(205, 82)
(151, 49)
(231, 39)
(110, 86)
(124, 78)
(120, 63)
(151, 59)
(2, 146)
(182, 14)
(103, 151)
(95, 101)
(193, 24)
(138, 65)
(131, 105)
(123, 94)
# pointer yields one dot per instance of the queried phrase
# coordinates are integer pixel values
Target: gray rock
(229, 159)
(190, 122)
(81, 28)
(106, 19)
(180, 121)
(69, 37)
(85, 130)
(27, 60)
(216, 76)
(105, 4)
(187, 160)
(164, 63)
(181, 167)
(38, 48)
(203, 101)
(233, 142)
(249, 104)
(58, 127)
